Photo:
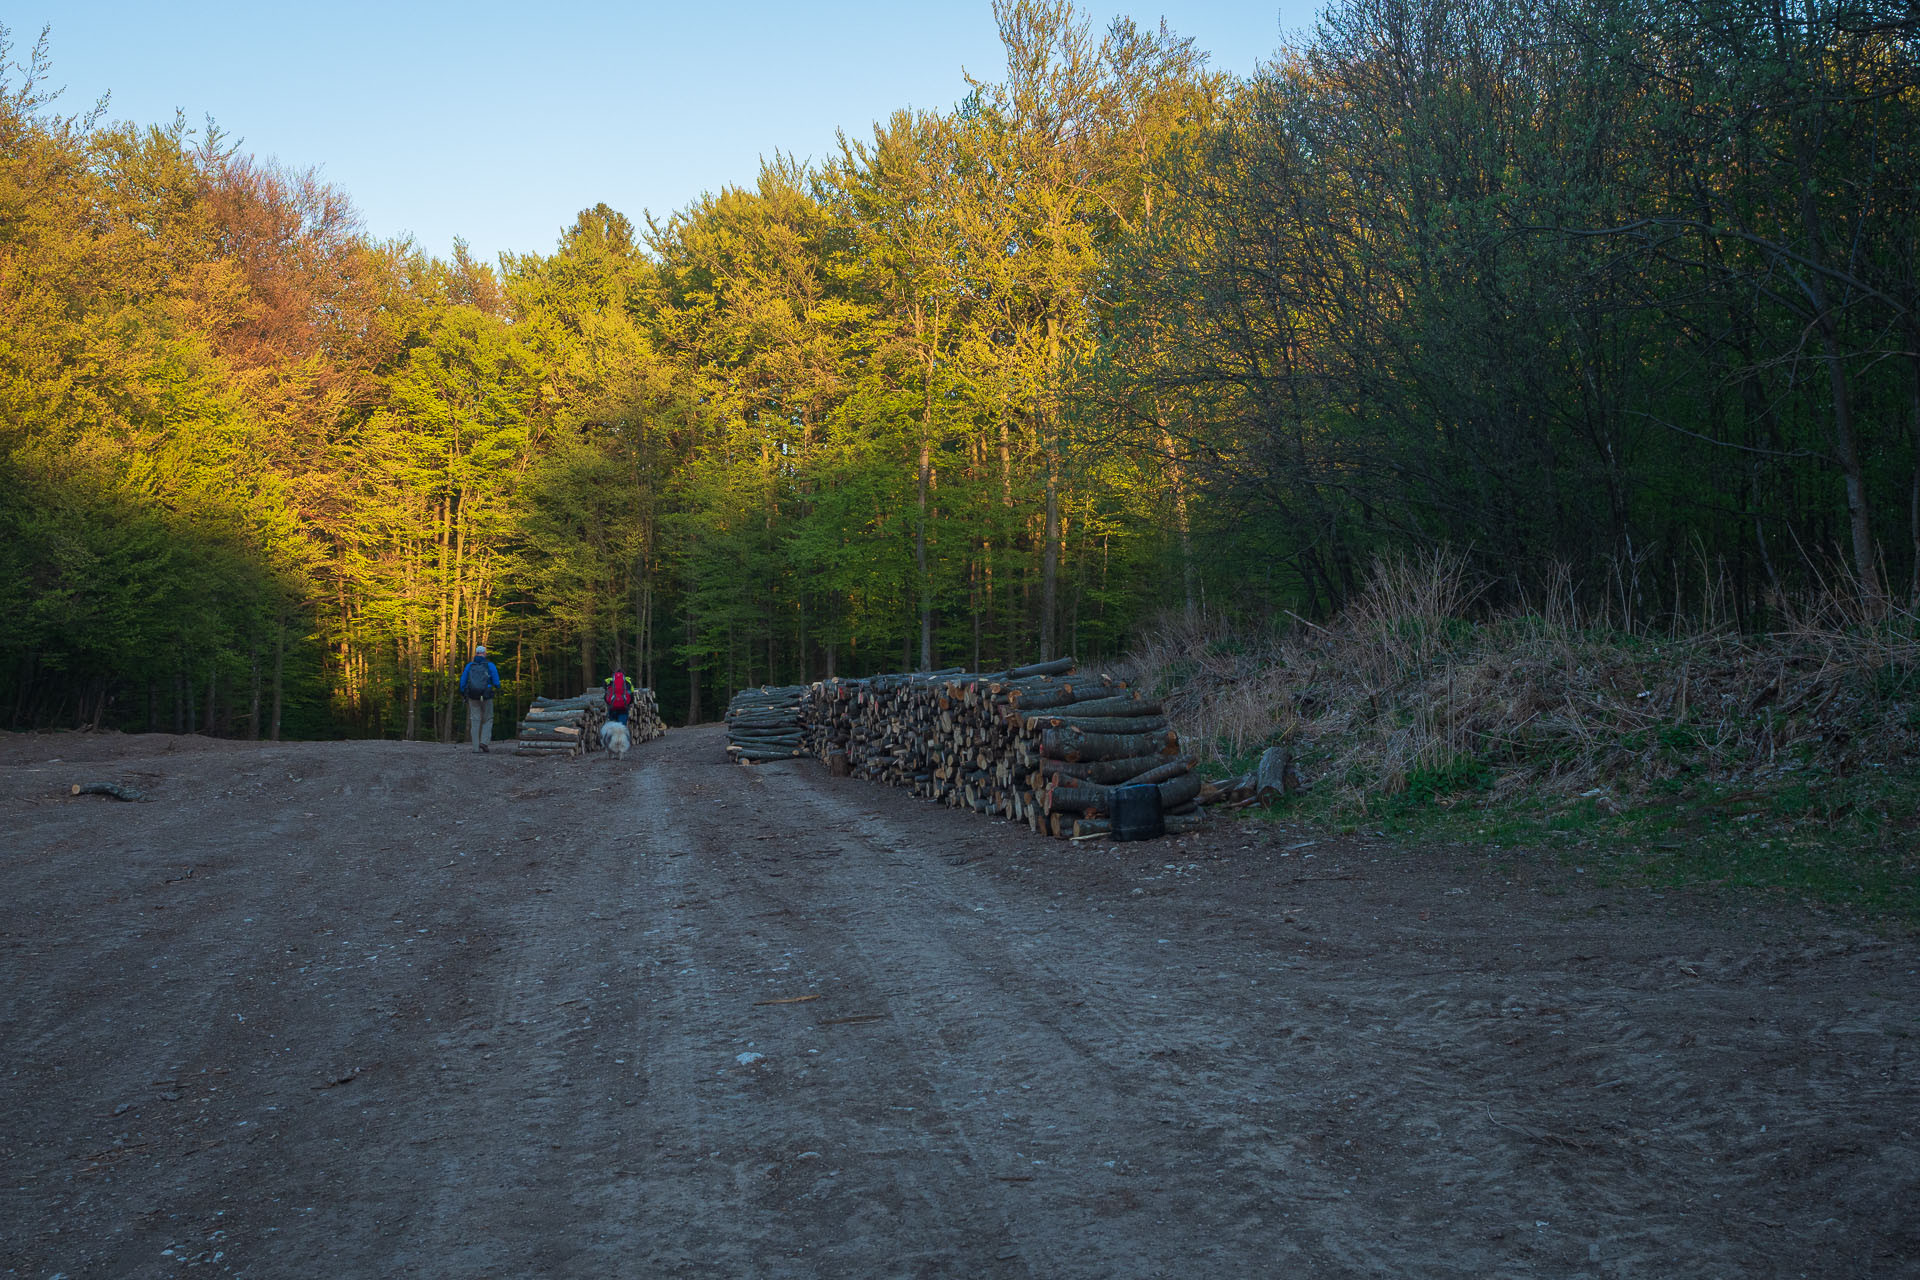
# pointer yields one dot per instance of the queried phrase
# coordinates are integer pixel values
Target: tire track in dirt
(537, 1075)
(827, 1158)
(1025, 1138)
(1386, 1097)
(1148, 1065)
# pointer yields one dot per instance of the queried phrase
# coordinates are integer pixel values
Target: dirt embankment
(377, 1008)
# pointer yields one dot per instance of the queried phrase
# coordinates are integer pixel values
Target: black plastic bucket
(1136, 813)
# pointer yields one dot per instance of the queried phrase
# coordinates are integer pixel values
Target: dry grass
(1412, 686)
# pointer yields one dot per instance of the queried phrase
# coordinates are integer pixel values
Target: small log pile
(765, 724)
(1274, 777)
(564, 726)
(1044, 744)
(571, 726)
(643, 717)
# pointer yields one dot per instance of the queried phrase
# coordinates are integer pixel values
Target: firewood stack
(563, 726)
(643, 717)
(1042, 744)
(571, 726)
(765, 724)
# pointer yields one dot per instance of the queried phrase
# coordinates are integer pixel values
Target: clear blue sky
(497, 122)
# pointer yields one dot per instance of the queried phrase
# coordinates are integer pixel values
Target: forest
(1617, 300)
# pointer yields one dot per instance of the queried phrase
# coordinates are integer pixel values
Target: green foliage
(1846, 841)
(1113, 338)
(1543, 285)
(1428, 785)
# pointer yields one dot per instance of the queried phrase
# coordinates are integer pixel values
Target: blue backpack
(477, 685)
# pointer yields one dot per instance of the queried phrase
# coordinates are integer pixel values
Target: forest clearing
(1472, 459)
(386, 1008)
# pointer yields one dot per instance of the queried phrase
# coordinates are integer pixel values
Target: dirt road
(371, 1009)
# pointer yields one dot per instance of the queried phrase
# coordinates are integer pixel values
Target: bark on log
(1098, 724)
(1123, 705)
(757, 754)
(1161, 772)
(113, 789)
(1062, 694)
(1275, 776)
(1179, 791)
(1078, 744)
(1070, 799)
(1056, 667)
(1103, 772)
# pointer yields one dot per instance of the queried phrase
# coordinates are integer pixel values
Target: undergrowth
(1789, 760)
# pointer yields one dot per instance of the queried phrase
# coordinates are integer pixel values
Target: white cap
(479, 651)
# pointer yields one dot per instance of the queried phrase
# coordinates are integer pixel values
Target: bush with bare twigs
(1413, 688)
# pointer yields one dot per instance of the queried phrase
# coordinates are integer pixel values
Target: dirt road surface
(380, 1009)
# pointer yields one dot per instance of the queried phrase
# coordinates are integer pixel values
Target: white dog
(614, 737)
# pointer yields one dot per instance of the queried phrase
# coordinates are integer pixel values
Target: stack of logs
(572, 725)
(643, 717)
(765, 724)
(566, 726)
(1042, 744)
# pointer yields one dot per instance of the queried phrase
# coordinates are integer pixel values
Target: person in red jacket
(619, 696)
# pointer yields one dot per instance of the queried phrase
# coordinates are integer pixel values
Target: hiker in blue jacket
(479, 681)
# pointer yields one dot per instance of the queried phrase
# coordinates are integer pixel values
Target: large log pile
(765, 724)
(1044, 744)
(571, 726)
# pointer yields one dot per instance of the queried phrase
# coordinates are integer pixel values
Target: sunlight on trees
(1621, 296)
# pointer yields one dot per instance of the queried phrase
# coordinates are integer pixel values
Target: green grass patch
(1847, 842)
(1851, 843)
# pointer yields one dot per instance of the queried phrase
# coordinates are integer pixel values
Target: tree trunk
(646, 632)
(1913, 497)
(1006, 466)
(279, 670)
(974, 576)
(920, 527)
(800, 636)
(253, 704)
(693, 678)
(411, 661)
(1846, 449)
(1182, 526)
(1050, 555)
(1846, 452)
